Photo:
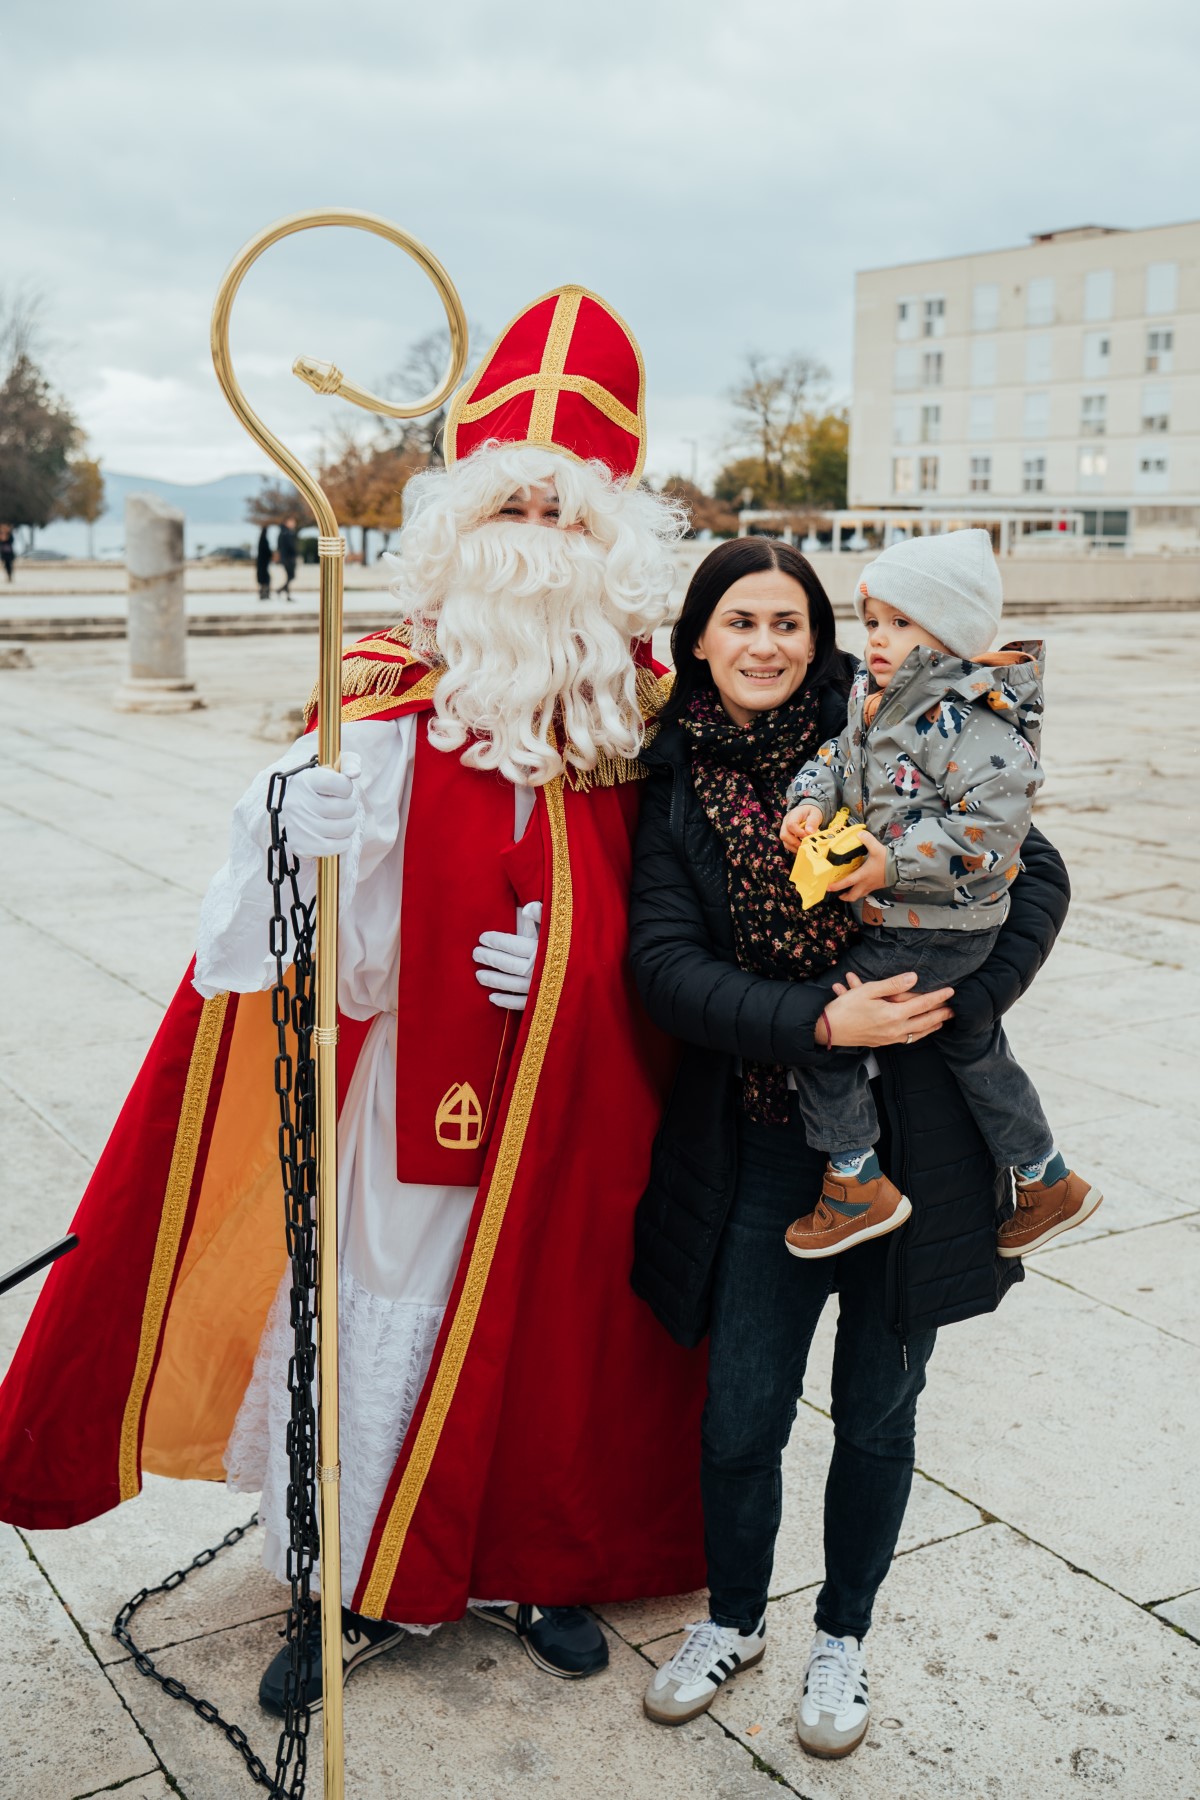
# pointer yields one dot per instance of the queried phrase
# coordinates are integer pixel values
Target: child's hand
(868, 876)
(800, 823)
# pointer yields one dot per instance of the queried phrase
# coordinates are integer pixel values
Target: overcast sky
(717, 171)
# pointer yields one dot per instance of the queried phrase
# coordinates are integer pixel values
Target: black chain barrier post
(295, 1086)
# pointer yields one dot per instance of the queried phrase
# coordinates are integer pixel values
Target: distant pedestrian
(262, 565)
(8, 549)
(285, 551)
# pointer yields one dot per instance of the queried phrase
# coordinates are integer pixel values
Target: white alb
(399, 1242)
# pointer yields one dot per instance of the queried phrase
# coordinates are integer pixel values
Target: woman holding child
(729, 962)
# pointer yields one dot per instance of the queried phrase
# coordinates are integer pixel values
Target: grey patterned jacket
(942, 767)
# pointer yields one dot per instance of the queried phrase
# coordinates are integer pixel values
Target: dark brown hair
(723, 566)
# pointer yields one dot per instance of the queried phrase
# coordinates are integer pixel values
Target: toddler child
(939, 763)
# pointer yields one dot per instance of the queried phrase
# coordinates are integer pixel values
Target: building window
(1033, 473)
(981, 474)
(1093, 415)
(1093, 467)
(906, 318)
(1037, 414)
(1098, 294)
(1037, 359)
(927, 471)
(904, 424)
(1151, 471)
(931, 368)
(983, 362)
(1162, 280)
(1039, 301)
(1160, 349)
(933, 321)
(985, 306)
(905, 369)
(931, 424)
(981, 418)
(1156, 408)
(1096, 347)
(902, 475)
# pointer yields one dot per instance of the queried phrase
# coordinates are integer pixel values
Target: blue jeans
(766, 1304)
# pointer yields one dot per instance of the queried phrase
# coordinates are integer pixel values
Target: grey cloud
(718, 172)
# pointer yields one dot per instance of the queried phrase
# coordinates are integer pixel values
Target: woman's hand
(868, 1015)
(800, 823)
(868, 877)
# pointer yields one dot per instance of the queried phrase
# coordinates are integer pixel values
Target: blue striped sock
(1050, 1169)
(861, 1165)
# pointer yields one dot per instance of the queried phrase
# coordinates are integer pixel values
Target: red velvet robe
(554, 1453)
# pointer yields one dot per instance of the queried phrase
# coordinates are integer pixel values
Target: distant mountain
(202, 503)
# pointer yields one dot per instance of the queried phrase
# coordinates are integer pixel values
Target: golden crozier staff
(323, 378)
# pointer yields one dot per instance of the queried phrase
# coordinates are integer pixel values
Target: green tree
(38, 431)
(743, 482)
(827, 458)
(83, 495)
(38, 435)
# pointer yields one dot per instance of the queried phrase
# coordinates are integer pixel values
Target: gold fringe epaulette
(653, 692)
(373, 671)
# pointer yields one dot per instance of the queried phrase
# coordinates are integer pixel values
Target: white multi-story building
(1065, 374)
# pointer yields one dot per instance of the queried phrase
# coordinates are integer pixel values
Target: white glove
(506, 960)
(320, 810)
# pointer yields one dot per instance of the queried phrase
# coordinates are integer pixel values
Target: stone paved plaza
(1039, 1636)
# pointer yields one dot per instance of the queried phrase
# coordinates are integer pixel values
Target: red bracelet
(828, 1028)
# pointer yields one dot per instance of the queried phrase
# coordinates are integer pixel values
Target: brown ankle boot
(849, 1212)
(1045, 1211)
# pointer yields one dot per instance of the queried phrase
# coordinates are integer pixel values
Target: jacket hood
(1009, 681)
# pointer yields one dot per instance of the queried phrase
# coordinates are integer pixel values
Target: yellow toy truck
(826, 856)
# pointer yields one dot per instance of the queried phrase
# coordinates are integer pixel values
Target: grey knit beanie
(948, 583)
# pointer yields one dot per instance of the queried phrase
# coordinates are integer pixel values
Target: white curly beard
(533, 624)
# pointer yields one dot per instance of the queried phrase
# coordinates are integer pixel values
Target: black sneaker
(563, 1640)
(361, 1640)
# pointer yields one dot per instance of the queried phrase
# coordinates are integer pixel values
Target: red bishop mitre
(566, 373)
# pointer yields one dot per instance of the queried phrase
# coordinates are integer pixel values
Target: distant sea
(214, 515)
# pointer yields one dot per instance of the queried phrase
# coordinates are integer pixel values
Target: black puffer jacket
(942, 1264)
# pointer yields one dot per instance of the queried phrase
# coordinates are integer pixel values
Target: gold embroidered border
(170, 1228)
(554, 361)
(600, 397)
(445, 1382)
(462, 399)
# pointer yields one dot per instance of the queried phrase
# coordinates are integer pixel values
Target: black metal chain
(292, 1012)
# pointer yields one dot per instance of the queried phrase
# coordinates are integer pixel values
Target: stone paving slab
(1157, 1281)
(96, 1567)
(462, 1714)
(65, 1730)
(932, 1514)
(995, 1672)
(1070, 1414)
(1183, 1611)
(1077, 1425)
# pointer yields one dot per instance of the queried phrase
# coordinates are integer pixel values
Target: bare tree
(769, 404)
(275, 501)
(420, 373)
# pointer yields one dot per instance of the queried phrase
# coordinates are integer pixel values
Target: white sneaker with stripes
(688, 1684)
(834, 1708)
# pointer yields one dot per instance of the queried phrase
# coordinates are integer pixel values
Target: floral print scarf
(741, 775)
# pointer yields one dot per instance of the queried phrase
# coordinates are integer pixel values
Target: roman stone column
(157, 623)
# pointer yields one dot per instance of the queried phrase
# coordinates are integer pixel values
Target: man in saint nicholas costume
(518, 1434)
